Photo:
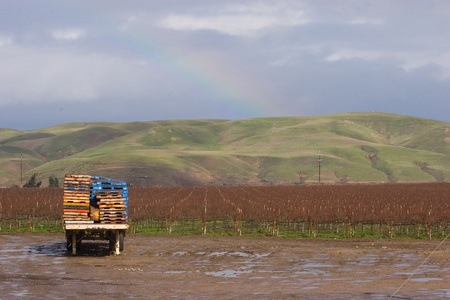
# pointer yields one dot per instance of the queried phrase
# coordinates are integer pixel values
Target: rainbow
(209, 73)
(221, 80)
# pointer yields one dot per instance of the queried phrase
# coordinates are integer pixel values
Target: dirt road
(161, 267)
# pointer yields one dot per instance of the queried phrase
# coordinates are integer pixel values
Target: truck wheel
(111, 245)
(111, 239)
(69, 244)
(69, 241)
(121, 241)
(79, 236)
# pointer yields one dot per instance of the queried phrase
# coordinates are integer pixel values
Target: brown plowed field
(37, 266)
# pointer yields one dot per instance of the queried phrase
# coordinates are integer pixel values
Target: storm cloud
(123, 61)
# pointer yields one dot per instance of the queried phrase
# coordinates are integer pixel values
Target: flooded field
(160, 267)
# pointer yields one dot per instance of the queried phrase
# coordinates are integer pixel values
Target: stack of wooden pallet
(112, 199)
(76, 198)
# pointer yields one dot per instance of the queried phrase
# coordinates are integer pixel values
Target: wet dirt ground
(37, 266)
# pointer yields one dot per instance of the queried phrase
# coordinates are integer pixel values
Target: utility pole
(21, 169)
(320, 157)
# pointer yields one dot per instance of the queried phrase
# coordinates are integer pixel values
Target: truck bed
(94, 226)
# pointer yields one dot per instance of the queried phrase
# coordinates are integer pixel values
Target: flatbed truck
(95, 208)
(114, 233)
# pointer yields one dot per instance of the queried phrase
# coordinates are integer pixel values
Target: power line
(412, 274)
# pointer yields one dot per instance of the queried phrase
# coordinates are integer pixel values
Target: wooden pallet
(112, 211)
(76, 219)
(77, 193)
(112, 217)
(77, 189)
(78, 176)
(80, 201)
(76, 198)
(77, 183)
(109, 194)
(112, 198)
(76, 207)
(113, 221)
(67, 216)
(76, 213)
(78, 210)
(76, 202)
(112, 206)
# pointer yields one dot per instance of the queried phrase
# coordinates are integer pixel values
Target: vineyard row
(387, 209)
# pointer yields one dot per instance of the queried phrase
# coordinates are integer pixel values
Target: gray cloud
(148, 60)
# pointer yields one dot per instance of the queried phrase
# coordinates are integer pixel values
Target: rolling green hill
(355, 147)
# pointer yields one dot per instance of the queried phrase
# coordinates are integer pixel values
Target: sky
(125, 61)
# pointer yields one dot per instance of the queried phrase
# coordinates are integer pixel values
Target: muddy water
(34, 266)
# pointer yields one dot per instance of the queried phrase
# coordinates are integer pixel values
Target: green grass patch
(219, 228)
(290, 229)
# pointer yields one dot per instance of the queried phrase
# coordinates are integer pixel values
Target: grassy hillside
(355, 147)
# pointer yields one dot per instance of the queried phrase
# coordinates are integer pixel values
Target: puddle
(20, 293)
(176, 272)
(57, 249)
(313, 272)
(32, 265)
(364, 280)
(239, 254)
(317, 265)
(228, 273)
(218, 253)
(257, 255)
(402, 265)
(367, 260)
(425, 279)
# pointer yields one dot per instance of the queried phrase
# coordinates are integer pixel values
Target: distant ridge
(354, 147)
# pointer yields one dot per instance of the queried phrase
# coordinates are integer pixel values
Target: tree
(32, 182)
(302, 176)
(53, 181)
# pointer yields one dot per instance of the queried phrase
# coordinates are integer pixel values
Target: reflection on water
(49, 266)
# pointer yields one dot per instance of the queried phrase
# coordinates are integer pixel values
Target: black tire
(121, 241)
(79, 241)
(111, 245)
(69, 244)
(69, 241)
(111, 239)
